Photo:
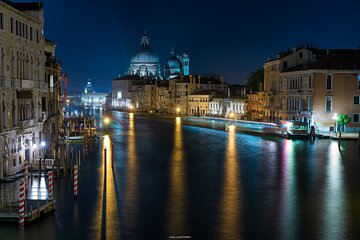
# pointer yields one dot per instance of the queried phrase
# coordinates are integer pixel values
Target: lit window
(356, 117)
(328, 104)
(119, 95)
(328, 83)
(359, 83)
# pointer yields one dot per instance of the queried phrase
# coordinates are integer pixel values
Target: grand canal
(172, 180)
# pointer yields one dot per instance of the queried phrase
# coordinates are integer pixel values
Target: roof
(25, 5)
(341, 61)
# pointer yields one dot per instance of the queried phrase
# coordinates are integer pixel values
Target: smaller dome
(173, 63)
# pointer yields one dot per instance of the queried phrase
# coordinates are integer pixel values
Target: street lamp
(42, 145)
(231, 115)
(335, 118)
(178, 110)
(106, 121)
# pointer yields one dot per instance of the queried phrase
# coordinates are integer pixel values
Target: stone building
(24, 91)
(312, 85)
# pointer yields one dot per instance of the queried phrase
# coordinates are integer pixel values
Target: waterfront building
(312, 85)
(91, 99)
(53, 77)
(24, 90)
(199, 103)
(255, 106)
(222, 107)
(143, 88)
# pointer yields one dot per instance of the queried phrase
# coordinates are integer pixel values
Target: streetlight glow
(34, 146)
(42, 144)
(231, 115)
(106, 120)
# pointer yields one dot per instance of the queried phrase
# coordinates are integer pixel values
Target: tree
(255, 80)
(342, 120)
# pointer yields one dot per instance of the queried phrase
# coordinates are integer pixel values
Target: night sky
(96, 39)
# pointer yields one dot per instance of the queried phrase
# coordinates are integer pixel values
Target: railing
(7, 197)
(48, 163)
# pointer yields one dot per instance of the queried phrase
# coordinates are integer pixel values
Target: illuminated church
(145, 63)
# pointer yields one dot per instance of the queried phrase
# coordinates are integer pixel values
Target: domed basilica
(145, 63)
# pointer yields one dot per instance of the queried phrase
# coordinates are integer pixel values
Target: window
(17, 27)
(328, 104)
(285, 65)
(19, 159)
(310, 82)
(356, 117)
(37, 36)
(1, 21)
(14, 162)
(31, 34)
(328, 83)
(300, 55)
(359, 83)
(356, 100)
(12, 25)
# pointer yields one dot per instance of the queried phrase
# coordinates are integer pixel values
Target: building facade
(24, 92)
(313, 85)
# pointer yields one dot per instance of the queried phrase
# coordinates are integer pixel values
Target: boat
(292, 129)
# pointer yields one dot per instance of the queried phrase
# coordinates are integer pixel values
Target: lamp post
(106, 121)
(42, 144)
(335, 118)
(34, 147)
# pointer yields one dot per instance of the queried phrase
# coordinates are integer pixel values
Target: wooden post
(112, 154)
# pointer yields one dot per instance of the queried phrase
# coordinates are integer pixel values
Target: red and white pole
(51, 186)
(26, 175)
(76, 181)
(21, 203)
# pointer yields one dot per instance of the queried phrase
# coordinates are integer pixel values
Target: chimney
(199, 79)
(228, 92)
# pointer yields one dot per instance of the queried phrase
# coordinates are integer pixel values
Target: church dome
(145, 62)
(145, 56)
(173, 65)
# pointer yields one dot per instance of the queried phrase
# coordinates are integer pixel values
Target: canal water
(172, 180)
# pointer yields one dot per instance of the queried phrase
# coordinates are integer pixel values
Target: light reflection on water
(230, 204)
(176, 219)
(106, 210)
(286, 190)
(288, 200)
(334, 209)
(131, 178)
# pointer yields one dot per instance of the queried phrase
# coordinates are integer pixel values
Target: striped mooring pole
(51, 186)
(21, 203)
(75, 181)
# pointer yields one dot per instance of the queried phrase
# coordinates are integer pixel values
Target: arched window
(3, 114)
(2, 63)
(328, 83)
(328, 104)
(13, 113)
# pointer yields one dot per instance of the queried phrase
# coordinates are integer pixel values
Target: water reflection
(131, 194)
(106, 207)
(230, 226)
(334, 209)
(37, 189)
(288, 183)
(177, 202)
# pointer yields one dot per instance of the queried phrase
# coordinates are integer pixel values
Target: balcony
(26, 123)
